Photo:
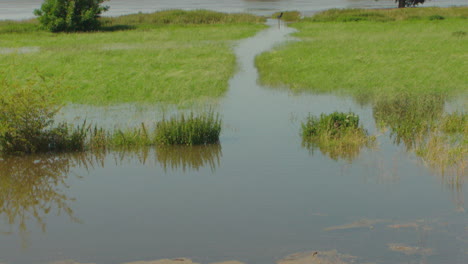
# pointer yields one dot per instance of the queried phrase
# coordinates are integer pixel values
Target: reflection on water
(347, 149)
(189, 157)
(32, 186)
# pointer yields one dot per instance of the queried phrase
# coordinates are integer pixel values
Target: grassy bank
(373, 53)
(143, 57)
(405, 63)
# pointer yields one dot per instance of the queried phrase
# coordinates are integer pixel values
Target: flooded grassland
(261, 195)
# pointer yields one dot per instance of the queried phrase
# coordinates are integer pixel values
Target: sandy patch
(318, 257)
(68, 261)
(408, 250)
(165, 261)
(406, 225)
(364, 223)
(178, 261)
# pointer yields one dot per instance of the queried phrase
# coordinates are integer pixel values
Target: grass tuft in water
(189, 130)
(337, 135)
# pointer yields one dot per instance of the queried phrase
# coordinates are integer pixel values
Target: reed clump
(189, 130)
(337, 135)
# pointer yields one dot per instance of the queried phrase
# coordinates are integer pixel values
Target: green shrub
(70, 15)
(26, 122)
(189, 130)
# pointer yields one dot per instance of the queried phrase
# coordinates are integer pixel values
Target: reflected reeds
(189, 157)
(408, 117)
(32, 186)
(337, 135)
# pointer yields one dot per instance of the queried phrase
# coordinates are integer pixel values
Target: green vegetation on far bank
(369, 59)
(405, 63)
(149, 61)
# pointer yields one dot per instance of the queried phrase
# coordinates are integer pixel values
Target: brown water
(21, 9)
(257, 197)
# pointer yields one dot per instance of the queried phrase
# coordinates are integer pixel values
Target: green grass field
(148, 61)
(373, 53)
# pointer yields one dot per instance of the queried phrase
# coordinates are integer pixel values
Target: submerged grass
(337, 135)
(180, 62)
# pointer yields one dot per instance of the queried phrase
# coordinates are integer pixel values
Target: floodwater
(258, 197)
(23, 9)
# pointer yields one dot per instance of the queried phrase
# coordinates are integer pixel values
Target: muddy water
(257, 197)
(22, 9)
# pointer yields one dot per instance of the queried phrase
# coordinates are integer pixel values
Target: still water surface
(21, 9)
(257, 197)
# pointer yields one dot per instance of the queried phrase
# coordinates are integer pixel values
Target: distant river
(23, 9)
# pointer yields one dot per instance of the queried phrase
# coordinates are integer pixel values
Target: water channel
(257, 197)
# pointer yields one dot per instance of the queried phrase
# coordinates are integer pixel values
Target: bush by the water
(337, 135)
(189, 130)
(70, 16)
(27, 123)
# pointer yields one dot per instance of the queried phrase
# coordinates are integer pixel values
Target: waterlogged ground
(258, 197)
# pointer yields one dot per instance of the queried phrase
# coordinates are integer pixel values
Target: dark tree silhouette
(408, 3)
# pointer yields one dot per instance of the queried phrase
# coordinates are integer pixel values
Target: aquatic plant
(189, 129)
(337, 135)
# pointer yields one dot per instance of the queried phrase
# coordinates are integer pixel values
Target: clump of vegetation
(337, 135)
(446, 147)
(456, 122)
(459, 34)
(189, 130)
(288, 16)
(436, 17)
(27, 124)
(70, 16)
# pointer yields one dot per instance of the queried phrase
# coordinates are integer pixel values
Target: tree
(71, 15)
(408, 3)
